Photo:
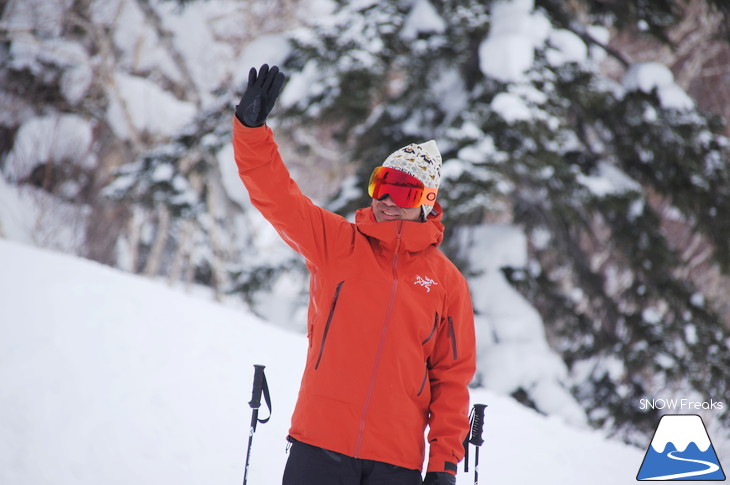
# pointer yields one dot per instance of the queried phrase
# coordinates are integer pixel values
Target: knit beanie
(420, 160)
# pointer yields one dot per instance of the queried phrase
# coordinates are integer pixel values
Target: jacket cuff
(442, 466)
(247, 142)
(243, 132)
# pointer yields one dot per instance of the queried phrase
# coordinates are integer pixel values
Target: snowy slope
(110, 378)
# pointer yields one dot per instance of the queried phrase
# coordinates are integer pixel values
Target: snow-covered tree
(115, 124)
(533, 133)
(585, 208)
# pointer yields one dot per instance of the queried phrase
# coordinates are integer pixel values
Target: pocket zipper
(327, 325)
(433, 330)
(452, 336)
(423, 383)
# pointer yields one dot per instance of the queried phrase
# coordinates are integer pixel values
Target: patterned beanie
(420, 160)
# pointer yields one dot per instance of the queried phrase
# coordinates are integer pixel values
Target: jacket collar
(414, 236)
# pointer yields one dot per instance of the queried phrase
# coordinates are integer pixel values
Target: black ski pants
(310, 465)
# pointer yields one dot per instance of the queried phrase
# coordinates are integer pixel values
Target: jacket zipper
(327, 325)
(383, 334)
(452, 336)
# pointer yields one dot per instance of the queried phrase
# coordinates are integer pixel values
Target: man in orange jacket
(390, 324)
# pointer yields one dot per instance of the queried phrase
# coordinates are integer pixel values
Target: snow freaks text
(680, 405)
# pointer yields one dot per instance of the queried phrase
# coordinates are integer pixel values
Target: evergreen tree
(608, 284)
(176, 181)
(207, 234)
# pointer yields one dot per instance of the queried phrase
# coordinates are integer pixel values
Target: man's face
(386, 210)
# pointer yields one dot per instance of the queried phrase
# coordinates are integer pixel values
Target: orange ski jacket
(390, 323)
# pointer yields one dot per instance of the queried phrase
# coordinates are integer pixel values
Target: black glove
(260, 95)
(439, 478)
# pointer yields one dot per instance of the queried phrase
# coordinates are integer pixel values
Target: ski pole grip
(258, 385)
(477, 425)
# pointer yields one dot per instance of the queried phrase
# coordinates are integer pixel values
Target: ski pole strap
(476, 428)
(260, 386)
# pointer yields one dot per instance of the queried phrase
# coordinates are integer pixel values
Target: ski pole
(259, 385)
(475, 437)
(477, 428)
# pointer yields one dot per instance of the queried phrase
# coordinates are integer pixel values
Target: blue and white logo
(681, 450)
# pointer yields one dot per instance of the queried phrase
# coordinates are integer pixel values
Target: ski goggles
(405, 190)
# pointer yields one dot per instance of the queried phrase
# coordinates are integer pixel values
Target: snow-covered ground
(111, 378)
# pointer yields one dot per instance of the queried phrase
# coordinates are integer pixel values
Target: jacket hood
(414, 236)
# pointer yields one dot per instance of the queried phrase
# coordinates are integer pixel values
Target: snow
(600, 34)
(540, 237)
(271, 49)
(508, 53)
(422, 19)
(509, 48)
(362, 4)
(163, 173)
(506, 57)
(448, 84)
(283, 303)
(511, 344)
(52, 139)
(698, 300)
(320, 8)
(229, 176)
(300, 85)
(32, 216)
(690, 334)
(647, 76)
(566, 47)
(651, 315)
(95, 327)
(117, 379)
(75, 83)
(105, 13)
(35, 54)
(140, 48)
(511, 107)
(209, 62)
(271, 248)
(40, 16)
(138, 105)
(608, 180)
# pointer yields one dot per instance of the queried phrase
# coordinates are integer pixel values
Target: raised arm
(315, 233)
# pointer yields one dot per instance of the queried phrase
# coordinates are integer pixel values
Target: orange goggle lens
(405, 190)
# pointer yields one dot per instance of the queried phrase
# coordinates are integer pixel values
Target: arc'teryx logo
(425, 282)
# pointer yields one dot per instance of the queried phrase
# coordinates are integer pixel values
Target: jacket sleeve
(453, 365)
(313, 232)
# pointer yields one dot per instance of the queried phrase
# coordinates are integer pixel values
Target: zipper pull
(399, 235)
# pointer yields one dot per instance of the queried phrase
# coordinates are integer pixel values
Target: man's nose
(388, 200)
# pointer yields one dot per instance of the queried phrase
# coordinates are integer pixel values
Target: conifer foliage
(576, 159)
(597, 171)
